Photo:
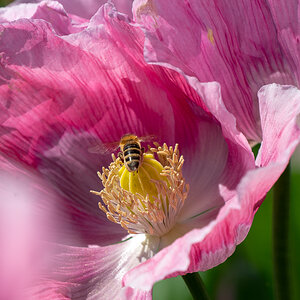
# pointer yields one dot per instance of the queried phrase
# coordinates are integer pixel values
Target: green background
(4, 2)
(247, 274)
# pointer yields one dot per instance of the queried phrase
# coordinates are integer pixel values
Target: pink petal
(87, 8)
(211, 244)
(279, 109)
(286, 19)
(202, 249)
(73, 171)
(223, 145)
(234, 43)
(50, 11)
(23, 226)
(136, 294)
(91, 273)
(65, 107)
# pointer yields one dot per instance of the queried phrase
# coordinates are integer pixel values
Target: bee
(131, 151)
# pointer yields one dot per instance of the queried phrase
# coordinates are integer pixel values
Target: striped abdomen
(132, 155)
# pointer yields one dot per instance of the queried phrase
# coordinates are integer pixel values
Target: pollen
(210, 35)
(148, 200)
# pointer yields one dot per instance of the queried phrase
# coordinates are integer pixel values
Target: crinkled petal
(286, 19)
(73, 97)
(223, 145)
(50, 11)
(234, 43)
(206, 247)
(92, 273)
(87, 8)
(279, 110)
(136, 294)
(33, 125)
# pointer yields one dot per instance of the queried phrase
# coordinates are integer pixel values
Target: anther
(147, 200)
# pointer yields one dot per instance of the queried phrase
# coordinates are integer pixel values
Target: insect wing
(148, 138)
(104, 148)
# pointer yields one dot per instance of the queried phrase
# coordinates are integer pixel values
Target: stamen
(149, 199)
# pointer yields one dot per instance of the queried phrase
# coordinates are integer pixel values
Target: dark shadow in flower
(73, 171)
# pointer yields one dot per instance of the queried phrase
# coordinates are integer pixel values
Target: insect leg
(120, 155)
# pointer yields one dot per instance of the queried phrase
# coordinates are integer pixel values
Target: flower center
(149, 199)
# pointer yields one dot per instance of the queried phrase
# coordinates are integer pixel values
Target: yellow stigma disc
(142, 181)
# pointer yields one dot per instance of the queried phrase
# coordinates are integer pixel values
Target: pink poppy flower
(243, 45)
(62, 92)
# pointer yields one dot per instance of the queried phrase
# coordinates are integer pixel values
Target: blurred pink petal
(62, 94)
(87, 8)
(50, 11)
(23, 228)
(92, 273)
